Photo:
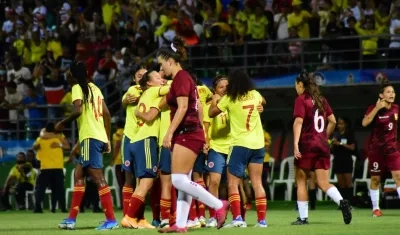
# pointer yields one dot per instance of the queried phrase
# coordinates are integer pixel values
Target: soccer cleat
(128, 222)
(156, 223)
(108, 225)
(211, 223)
(377, 213)
(173, 229)
(164, 223)
(300, 221)
(143, 224)
(67, 224)
(202, 221)
(346, 211)
(261, 224)
(221, 214)
(236, 223)
(244, 225)
(193, 223)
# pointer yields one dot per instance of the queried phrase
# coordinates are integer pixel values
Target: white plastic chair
(71, 187)
(287, 179)
(364, 178)
(109, 171)
(271, 171)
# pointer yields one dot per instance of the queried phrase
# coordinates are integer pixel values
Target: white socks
(398, 191)
(183, 183)
(303, 209)
(182, 209)
(374, 194)
(333, 193)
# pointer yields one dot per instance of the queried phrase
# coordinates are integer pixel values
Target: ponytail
(311, 87)
(78, 71)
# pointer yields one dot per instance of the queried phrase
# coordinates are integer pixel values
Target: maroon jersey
(384, 132)
(183, 86)
(313, 137)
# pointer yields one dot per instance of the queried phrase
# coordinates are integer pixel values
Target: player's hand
(335, 142)
(206, 148)
(260, 108)
(55, 145)
(380, 104)
(59, 126)
(167, 141)
(216, 98)
(297, 153)
(108, 148)
(131, 99)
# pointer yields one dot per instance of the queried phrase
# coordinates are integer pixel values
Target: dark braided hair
(311, 88)
(79, 72)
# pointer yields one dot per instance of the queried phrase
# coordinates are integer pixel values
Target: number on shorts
(390, 126)
(375, 165)
(251, 109)
(141, 122)
(319, 122)
(98, 110)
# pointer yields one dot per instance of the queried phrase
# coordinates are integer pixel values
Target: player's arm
(163, 103)
(129, 99)
(74, 152)
(214, 110)
(36, 145)
(206, 126)
(147, 116)
(65, 144)
(76, 112)
(107, 120)
(298, 123)
(200, 109)
(117, 148)
(371, 115)
(331, 125)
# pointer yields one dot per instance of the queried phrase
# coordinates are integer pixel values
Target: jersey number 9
(319, 122)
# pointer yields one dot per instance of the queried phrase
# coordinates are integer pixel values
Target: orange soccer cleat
(377, 213)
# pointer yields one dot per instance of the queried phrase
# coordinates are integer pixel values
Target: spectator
(36, 114)
(64, 61)
(281, 22)
(394, 52)
(31, 158)
(94, 26)
(352, 10)
(109, 9)
(125, 71)
(9, 26)
(21, 76)
(51, 157)
(20, 179)
(54, 91)
(4, 115)
(350, 45)
(299, 19)
(37, 47)
(39, 14)
(106, 71)
(54, 45)
(14, 98)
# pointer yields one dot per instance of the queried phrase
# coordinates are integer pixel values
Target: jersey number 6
(319, 122)
(251, 109)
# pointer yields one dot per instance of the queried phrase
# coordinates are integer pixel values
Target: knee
(214, 183)
(178, 179)
(375, 181)
(324, 185)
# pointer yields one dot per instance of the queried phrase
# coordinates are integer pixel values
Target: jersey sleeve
(370, 108)
(299, 107)
(206, 118)
(13, 172)
(209, 93)
(164, 90)
(182, 84)
(77, 93)
(155, 98)
(223, 103)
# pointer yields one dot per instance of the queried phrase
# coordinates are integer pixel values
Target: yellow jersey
(55, 47)
(117, 137)
(149, 99)
(90, 123)
(244, 119)
(66, 101)
(165, 119)
(267, 145)
(218, 131)
(131, 127)
(258, 27)
(297, 20)
(204, 94)
(22, 177)
(37, 51)
(239, 21)
(50, 158)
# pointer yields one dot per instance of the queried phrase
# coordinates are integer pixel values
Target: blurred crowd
(40, 38)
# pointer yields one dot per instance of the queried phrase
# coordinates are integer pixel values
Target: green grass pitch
(325, 220)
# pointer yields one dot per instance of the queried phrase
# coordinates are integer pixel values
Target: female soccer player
(241, 101)
(218, 141)
(94, 132)
(185, 136)
(129, 101)
(311, 148)
(383, 152)
(144, 148)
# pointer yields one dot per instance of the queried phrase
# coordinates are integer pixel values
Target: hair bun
(180, 45)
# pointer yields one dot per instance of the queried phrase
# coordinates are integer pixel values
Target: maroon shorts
(380, 161)
(192, 140)
(314, 157)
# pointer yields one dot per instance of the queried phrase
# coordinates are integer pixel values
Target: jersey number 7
(251, 109)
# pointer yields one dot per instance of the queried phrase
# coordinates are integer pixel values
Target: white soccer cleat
(212, 223)
(194, 223)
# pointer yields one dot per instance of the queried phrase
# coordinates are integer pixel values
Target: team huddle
(173, 126)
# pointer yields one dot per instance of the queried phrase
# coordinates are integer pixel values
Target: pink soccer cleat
(173, 229)
(221, 214)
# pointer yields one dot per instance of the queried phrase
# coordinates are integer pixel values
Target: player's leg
(215, 165)
(197, 176)
(145, 162)
(243, 201)
(127, 168)
(255, 172)
(236, 163)
(375, 167)
(119, 174)
(42, 182)
(393, 164)
(302, 194)
(77, 196)
(155, 197)
(95, 151)
(166, 185)
(322, 174)
(312, 190)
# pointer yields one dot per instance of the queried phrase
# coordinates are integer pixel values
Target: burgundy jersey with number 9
(314, 121)
(384, 132)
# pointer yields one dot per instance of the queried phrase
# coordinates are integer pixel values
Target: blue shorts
(127, 155)
(239, 157)
(92, 153)
(216, 162)
(199, 164)
(165, 160)
(142, 157)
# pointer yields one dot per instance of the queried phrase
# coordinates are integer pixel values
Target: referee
(51, 157)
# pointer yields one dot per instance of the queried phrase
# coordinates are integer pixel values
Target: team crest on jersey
(395, 116)
(155, 169)
(127, 163)
(211, 164)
